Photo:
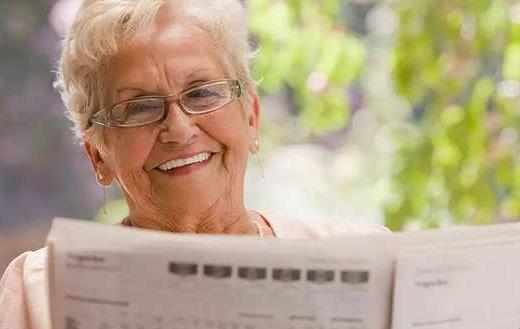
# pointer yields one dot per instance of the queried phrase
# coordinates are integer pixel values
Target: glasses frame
(103, 117)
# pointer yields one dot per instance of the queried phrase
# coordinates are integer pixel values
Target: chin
(196, 199)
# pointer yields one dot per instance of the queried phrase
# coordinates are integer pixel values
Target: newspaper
(107, 277)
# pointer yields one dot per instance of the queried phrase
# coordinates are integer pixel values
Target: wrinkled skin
(164, 59)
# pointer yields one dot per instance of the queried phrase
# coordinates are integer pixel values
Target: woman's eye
(137, 111)
(202, 93)
(145, 106)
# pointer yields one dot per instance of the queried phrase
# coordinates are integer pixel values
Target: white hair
(101, 26)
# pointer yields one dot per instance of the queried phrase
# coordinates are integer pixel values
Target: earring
(103, 194)
(104, 201)
(255, 149)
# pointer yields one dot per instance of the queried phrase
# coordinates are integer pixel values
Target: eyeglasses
(140, 111)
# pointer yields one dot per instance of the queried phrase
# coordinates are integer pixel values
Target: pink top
(24, 300)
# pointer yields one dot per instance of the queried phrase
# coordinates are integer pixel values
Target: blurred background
(404, 113)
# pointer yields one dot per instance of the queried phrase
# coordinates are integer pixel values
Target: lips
(184, 161)
(192, 165)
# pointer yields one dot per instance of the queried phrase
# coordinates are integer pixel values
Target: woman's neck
(245, 222)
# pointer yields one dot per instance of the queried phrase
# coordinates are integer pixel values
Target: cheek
(131, 150)
(230, 129)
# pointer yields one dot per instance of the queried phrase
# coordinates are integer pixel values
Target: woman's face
(167, 59)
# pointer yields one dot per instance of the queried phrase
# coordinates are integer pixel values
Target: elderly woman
(161, 96)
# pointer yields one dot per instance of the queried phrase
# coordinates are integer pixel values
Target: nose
(177, 127)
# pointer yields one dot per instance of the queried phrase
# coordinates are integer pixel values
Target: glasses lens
(137, 112)
(208, 98)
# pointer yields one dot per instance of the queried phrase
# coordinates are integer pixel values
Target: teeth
(184, 162)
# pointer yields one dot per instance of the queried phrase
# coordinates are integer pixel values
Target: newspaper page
(118, 277)
(107, 277)
(473, 287)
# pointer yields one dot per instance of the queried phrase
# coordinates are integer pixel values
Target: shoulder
(303, 228)
(23, 292)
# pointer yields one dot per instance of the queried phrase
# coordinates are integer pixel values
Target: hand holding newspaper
(107, 277)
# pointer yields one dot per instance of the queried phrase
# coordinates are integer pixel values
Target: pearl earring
(101, 178)
(255, 149)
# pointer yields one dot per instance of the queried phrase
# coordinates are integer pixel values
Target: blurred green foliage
(304, 47)
(456, 63)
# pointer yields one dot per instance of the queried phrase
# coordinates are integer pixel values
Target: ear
(104, 175)
(253, 119)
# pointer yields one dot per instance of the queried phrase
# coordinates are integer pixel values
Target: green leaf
(512, 62)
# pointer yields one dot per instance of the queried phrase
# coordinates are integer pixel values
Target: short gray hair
(101, 26)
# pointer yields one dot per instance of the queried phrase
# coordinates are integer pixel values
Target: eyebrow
(120, 90)
(137, 89)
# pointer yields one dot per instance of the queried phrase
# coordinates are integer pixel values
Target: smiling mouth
(185, 165)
